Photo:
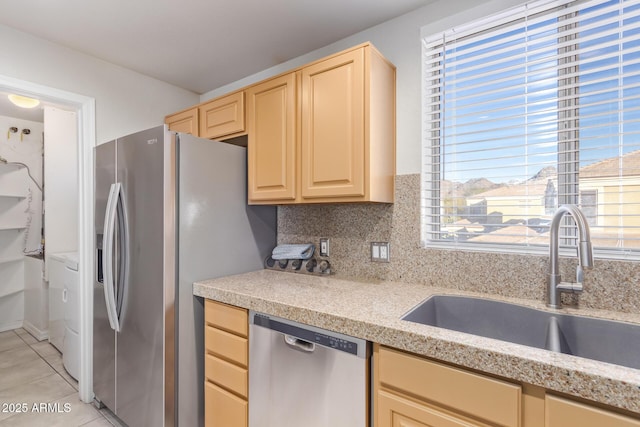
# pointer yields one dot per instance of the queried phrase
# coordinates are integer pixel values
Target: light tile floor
(32, 377)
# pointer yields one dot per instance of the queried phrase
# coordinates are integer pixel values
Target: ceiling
(198, 45)
(7, 109)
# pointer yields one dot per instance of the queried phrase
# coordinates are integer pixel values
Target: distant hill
(466, 189)
(548, 172)
(480, 185)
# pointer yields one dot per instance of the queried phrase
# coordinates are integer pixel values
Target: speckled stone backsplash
(611, 285)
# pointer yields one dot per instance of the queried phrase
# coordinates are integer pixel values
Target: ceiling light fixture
(23, 101)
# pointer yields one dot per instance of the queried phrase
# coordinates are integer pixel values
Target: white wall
(126, 101)
(399, 41)
(61, 181)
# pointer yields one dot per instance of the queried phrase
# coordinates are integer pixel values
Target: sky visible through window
(523, 96)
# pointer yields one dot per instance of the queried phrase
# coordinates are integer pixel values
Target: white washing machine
(57, 270)
(70, 298)
(64, 308)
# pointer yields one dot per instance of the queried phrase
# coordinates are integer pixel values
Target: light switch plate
(324, 246)
(380, 251)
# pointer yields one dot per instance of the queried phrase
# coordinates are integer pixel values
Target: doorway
(85, 110)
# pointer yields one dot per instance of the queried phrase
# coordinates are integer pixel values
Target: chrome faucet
(555, 285)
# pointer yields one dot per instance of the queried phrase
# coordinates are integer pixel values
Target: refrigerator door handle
(107, 255)
(123, 272)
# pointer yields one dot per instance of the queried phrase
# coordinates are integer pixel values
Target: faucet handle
(573, 287)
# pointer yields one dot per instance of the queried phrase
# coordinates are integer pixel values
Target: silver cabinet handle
(299, 344)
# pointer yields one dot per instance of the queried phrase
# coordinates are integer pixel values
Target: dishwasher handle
(299, 344)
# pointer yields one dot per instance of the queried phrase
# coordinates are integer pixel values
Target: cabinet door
(271, 111)
(222, 116)
(561, 412)
(186, 121)
(333, 127)
(395, 411)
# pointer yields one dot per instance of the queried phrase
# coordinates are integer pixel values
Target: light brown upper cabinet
(272, 161)
(222, 117)
(184, 121)
(325, 132)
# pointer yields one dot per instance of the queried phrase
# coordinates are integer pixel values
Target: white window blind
(529, 110)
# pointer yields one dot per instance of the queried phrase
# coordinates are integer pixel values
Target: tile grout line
(45, 360)
(58, 373)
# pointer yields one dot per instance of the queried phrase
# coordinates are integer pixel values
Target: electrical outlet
(324, 246)
(380, 251)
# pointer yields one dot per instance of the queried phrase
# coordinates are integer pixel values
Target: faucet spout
(585, 254)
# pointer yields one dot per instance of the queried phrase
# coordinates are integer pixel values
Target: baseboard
(11, 326)
(38, 334)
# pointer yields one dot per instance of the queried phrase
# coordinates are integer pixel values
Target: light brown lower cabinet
(413, 391)
(224, 409)
(409, 390)
(226, 387)
(561, 412)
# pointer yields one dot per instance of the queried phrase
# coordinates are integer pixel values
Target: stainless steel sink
(591, 338)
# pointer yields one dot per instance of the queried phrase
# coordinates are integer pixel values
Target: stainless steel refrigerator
(171, 209)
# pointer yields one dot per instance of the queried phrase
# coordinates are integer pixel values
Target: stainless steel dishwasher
(300, 375)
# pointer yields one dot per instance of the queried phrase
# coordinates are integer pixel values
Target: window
(529, 110)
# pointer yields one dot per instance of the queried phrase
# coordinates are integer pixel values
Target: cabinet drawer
(561, 412)
(229, 318)
(483, 397)
(226, 345)
(222, 116)
(223, 409)
(226, 375)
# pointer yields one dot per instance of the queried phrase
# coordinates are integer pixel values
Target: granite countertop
(372, 309)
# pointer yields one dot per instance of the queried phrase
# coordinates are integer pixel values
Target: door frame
(86, 125)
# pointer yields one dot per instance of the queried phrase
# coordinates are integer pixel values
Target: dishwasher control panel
(336, 343)
(311, 334)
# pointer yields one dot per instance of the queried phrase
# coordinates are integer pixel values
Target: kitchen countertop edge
(371, 310)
